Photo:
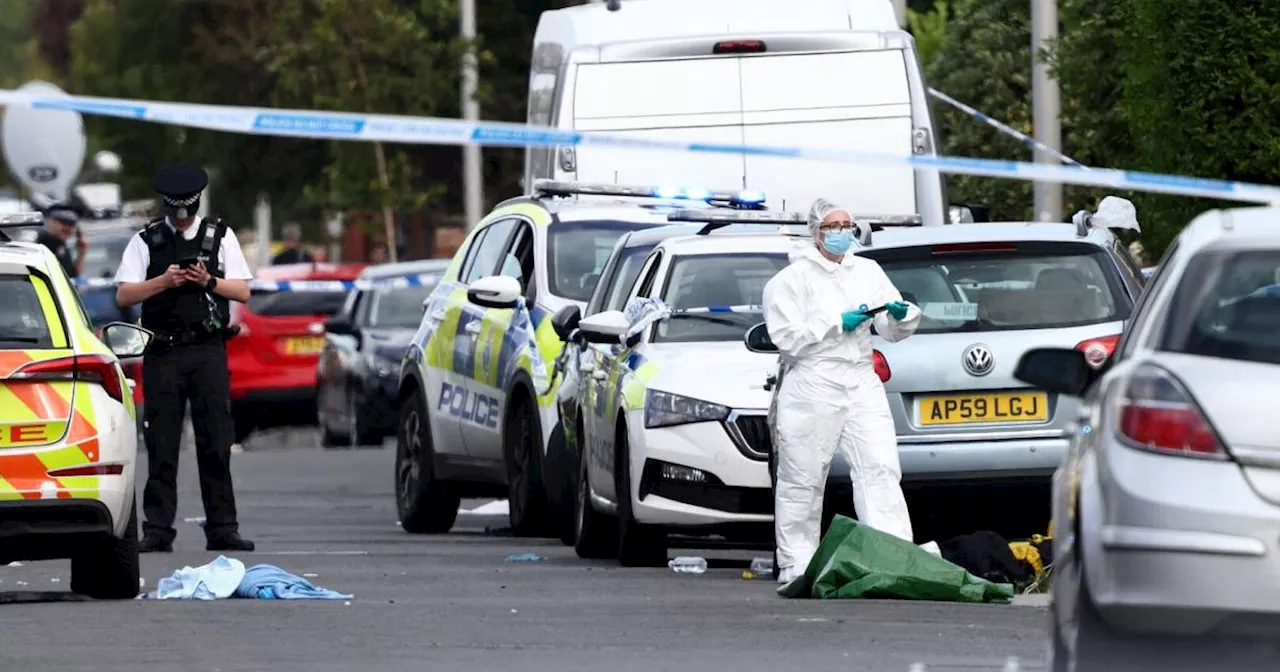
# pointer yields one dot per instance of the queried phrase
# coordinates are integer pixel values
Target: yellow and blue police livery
(476, 391)
(670, 407)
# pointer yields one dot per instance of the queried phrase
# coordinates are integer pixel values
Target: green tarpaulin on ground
(854, 561)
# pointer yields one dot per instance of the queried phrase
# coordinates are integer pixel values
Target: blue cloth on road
(214, 581)
(268, 582)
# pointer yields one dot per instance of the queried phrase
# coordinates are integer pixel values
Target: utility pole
(1046, 104)
(472, 171)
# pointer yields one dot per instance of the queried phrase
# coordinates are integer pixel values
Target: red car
(273, 358)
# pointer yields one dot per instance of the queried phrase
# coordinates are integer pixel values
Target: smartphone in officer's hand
(188, 262)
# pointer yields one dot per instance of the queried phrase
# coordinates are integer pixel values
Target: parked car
(273, 358)
(1168, 503)
(477, 410)
(359, 368)
(68, 455)
(988, 293)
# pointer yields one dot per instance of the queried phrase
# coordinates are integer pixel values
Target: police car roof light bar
(21, 220)
(746, 198)
(718, 219)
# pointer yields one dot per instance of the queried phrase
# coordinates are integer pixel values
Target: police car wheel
(527, 502)
(595, 534)
(425, 505)
(108, 569)
(557, 474)
(639, 545)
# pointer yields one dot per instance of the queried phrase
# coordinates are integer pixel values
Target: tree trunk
(380, 157)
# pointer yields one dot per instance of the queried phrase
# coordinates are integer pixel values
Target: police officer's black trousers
(171, 376)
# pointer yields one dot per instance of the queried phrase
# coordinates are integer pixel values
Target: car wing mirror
(495, 291)
(757, 339)
(126, 340)
(1062, 370)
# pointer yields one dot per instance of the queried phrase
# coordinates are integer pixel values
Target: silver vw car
(988, 292)
(1168, 504)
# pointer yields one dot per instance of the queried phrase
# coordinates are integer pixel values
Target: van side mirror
(757, 339)
(1062, 370)
(565, 321)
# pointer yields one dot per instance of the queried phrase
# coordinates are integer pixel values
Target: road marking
(313, 553)
(494, 508)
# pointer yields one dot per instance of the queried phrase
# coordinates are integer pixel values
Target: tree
(929, 28)
(1201, 94)
(374, 56)
(985, 61)
(174, 51)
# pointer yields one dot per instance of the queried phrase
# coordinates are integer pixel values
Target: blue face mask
(837, 242)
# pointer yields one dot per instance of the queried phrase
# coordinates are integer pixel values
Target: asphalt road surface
(452, 603)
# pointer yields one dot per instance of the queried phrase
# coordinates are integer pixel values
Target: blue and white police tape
(398, 282)
(435, 131)
(718, 309)
(1005, 128)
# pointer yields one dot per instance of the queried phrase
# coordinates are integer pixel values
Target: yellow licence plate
(309, 345)
(999, 407)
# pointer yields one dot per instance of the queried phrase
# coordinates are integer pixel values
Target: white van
(835, 74)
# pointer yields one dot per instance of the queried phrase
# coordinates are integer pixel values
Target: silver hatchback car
(988, 293)
(1168, 504)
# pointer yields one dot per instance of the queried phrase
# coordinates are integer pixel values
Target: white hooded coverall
(831, 396)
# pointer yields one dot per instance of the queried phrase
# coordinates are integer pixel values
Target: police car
(669, 406)
(476, 392)
(68, 437)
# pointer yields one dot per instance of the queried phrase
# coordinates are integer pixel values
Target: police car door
(610, 372)
(501, 348)
(451, 343)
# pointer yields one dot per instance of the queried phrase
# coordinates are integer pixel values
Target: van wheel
(527, 503)
(425, 505)
(595, 534)
(558, 470)
(639, 545)
(108, 569)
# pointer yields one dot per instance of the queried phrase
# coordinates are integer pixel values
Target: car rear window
(296, 304)
(972, 287)
(716, 281)
(1228, 306)
(22, 320)
(578, 251)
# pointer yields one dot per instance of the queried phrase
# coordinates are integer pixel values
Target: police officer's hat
(179, 187)
(63, 213)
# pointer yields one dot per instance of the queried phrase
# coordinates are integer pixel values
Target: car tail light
(1098, 350)
(88, 470)
(739, 47)
(98, 369)
(882, 366)
(1157, 412)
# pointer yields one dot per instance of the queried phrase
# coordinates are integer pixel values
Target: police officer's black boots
(229, 542)
(152, 544)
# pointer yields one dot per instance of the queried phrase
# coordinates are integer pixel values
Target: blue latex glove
(897, 309)
(852, 319)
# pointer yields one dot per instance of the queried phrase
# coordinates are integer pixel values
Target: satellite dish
(44, 148)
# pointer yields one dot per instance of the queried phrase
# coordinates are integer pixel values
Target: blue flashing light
(696, 194)
(750, 196)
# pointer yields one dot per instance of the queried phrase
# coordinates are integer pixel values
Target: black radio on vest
(186, 308)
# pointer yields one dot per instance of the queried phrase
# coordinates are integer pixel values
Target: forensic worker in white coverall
(831, 395)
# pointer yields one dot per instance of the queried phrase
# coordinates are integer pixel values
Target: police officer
(185, 270)
(60, 224)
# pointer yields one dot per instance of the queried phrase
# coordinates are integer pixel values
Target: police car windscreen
(1231, 310)
(293, 304)
(1002, 286)
(22, 320)
(578, 251)
(698, 282)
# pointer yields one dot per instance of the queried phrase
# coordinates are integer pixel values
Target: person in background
(60, 224)
(378, 254)
(292, 253)
(816, 311)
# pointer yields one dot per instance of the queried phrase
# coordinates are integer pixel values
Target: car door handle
(437, 315)
(599, 374)
(472, 328)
